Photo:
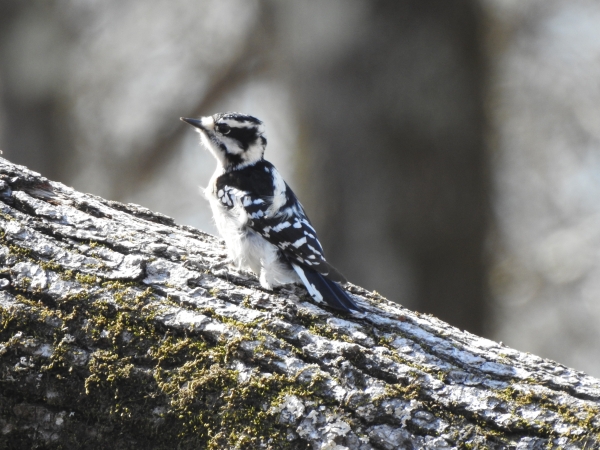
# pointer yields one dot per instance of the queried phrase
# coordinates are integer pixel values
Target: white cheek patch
(254, 153)
(233, 146)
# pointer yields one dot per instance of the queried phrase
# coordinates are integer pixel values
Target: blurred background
(448, 152)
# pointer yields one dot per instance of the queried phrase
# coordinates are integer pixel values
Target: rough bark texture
(119, 329)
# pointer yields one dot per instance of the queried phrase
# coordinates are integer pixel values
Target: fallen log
(121, 329)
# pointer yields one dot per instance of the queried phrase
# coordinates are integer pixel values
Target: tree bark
(119, 329)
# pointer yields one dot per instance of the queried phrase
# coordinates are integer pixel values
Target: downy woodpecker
(262, 222)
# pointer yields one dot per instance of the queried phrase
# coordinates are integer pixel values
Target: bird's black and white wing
(274, 212)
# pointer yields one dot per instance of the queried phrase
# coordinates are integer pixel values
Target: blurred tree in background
(396, 177)
(375, 113)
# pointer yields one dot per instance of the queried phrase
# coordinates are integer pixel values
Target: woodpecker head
(235, 139)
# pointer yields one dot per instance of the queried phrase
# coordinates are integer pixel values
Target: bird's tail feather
(320, 288)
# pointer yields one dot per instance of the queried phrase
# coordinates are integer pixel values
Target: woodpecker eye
(223, 128)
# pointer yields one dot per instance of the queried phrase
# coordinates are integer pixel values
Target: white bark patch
(30, 274)
(290, 410)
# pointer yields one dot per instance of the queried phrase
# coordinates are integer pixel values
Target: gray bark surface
(119, 329)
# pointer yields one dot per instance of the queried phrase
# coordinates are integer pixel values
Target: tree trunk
(119, 329)
(394, 153)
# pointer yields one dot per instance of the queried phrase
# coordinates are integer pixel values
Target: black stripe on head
(245, 136)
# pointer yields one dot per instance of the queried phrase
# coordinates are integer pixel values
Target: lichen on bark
(118, 330)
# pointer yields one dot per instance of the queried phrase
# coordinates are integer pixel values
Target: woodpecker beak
(193, 122)
(204, 124)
